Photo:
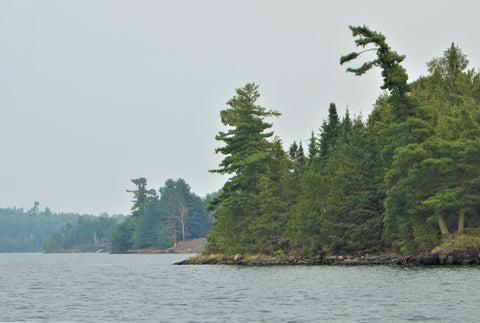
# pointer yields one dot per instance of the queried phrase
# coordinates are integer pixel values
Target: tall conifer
(246, 151)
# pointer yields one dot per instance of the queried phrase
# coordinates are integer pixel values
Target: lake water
(103, 287)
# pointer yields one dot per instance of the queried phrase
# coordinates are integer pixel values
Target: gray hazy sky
(94, 93)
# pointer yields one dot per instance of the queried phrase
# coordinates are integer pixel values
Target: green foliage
(27, 231)
(163, 240)
(141, 196)
(399, 182)
(88, 233)
(406, 180)
(122, 235)
(158, 221)
(331, 131)
(427, 183)
(245, 141)
(275, 197)
(394, 75)
(304, 228)
(247, 154)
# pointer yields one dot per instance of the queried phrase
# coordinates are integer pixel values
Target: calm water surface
(102, 287)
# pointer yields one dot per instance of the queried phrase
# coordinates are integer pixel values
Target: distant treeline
(158, 221)
(27, 231)
(402, 180)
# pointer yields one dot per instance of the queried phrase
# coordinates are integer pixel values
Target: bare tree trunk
(442, 224)
(461, 221)
(183, 211)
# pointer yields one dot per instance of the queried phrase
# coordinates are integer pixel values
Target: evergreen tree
(147, 225)
(297, 156)
(245, 143)
(292, 152)
(141, 196)
(401, 126)
(186, 212)
(35, 209)
(246, 154)
(449, 67)
(88, 233)
(275, 199)
(346, 127)
(174, 196)
(427, 180)
(394, 75)
(313, 151)
(303, 228)
(401, 181)
(352, 216)
(122, 235)
(331, 130)
(160, 222)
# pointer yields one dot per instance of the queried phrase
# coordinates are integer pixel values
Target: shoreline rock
(453, 257)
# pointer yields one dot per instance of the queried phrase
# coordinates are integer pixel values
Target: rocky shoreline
(453, 257)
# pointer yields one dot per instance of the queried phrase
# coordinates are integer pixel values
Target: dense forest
(405, 180)
(160, 219)
(26, 231)
(89, 233)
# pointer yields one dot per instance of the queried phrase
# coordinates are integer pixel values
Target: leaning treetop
(394, 75)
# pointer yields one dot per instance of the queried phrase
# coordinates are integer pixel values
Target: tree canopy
(401, 180)
(159, 220)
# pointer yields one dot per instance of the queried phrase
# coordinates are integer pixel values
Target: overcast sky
(96, 93)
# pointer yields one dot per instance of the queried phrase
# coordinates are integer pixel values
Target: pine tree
(246, 154)
(394, 75)
(313, 151)
(274, 199)
(449, 67)
(141, 196)
(330, 131)
(297, 156)
(246, 142)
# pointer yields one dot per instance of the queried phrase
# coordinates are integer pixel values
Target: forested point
(158, 221)
(404, 180)
(161, 219)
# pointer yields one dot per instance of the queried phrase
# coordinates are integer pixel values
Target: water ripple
(101, 288)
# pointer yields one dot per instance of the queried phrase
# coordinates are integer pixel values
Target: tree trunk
(461, 221)
(182, 214)
(442, 224)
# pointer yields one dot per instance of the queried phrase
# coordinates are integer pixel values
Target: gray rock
(451, 260)
(238, 257)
